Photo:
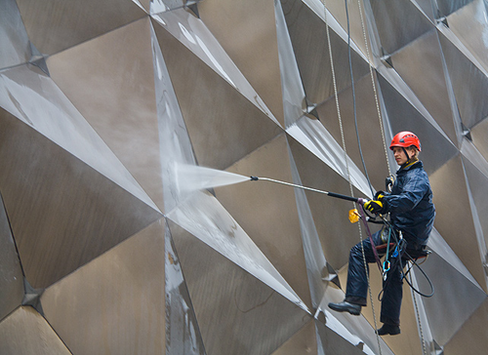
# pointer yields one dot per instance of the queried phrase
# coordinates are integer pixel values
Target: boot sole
(352, 311)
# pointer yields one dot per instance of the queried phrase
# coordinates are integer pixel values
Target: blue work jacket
(410, 203)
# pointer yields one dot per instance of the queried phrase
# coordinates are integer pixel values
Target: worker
(412, 214)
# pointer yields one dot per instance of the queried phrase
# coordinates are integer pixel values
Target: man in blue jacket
(412, 213)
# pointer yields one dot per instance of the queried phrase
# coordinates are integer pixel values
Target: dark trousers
(357, 282)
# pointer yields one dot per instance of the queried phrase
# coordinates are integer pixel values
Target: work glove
(379, 195)
(374, 206)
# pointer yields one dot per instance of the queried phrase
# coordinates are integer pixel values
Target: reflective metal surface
(53, 26)
(11, 278)
(116, 303)
(25, 332)
(13, 38)
(103, 103)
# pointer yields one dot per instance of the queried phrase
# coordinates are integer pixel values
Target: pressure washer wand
(331, 194)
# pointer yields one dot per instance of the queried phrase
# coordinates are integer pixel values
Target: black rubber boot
(388, 329)
(345, 306)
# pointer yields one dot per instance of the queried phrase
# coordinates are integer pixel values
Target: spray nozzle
(254, 178)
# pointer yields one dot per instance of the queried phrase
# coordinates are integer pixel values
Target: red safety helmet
(405, 139)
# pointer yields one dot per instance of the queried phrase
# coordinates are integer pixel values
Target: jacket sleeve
(412, 193)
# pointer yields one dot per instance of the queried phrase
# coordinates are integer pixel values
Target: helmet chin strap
(409, 160)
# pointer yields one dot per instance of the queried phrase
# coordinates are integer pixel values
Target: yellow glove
(374, 206)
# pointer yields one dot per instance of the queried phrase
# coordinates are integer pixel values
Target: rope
(378, 110)
(417, 312)
(384, 145)
(346, 160)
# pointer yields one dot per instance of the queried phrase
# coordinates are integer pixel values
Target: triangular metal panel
(63, 213)
(448, 216)
(37, 101)
(309, 38)
(204, 217)
(26, 332)
(114, 91)
(182, 331)
(276, 232)
(238, 313)
(398, 23)
(420, 64)
(116, 302)
(13, 37)
(54, 26)
(470, 84)
(227, 132)
(247, 31)
(195, 35)
(11, 285)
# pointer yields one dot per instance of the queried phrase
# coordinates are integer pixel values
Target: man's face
(400, 156)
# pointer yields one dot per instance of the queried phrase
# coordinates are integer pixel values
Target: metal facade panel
(236, 312)
(11, 277)
(114, 91)
(114, 304)
(53, 26)
(25, 332)
(229, 131)
(240, 26)
(63, 213)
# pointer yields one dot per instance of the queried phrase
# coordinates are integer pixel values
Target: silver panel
(114, 304)
(232, 116)
(25, 332)
(428, 80)
(470, 24)
(11, 277)
(240, 25)
(224, 295)
(436, 148)
(368, 129)
(398, 22)
(472, 337)
(479, 134)
(309, 38)
(303, 342)
(446, 7)
(470, 84)
(194, 35)
(115, 88)
(13, 38)
(182, 332)
(59, 207)
(275, 232)
(449, 215)
(453, 292)
(53, 26)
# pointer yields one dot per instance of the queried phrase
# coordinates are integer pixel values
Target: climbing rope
(363, 27)
(347, 165)
(376, 100)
